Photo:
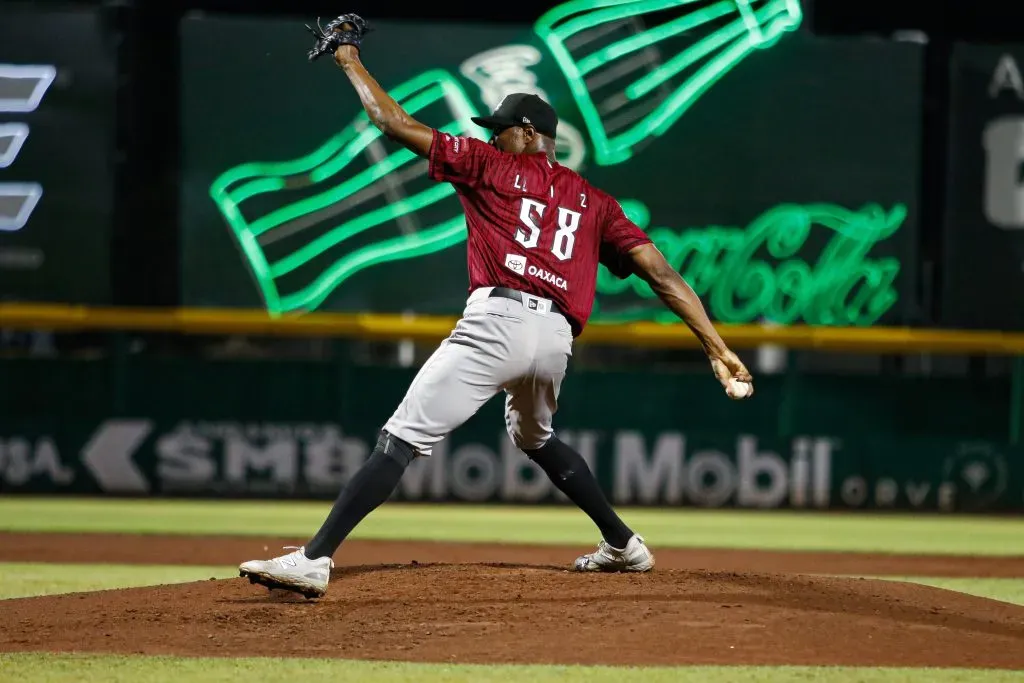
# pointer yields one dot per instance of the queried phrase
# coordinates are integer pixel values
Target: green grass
(25, 579)
(938, 534)
(79, 668)
(1004, 589)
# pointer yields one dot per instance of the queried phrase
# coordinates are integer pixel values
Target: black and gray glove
(348, 29)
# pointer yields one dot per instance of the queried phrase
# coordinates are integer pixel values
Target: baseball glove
(348, 29)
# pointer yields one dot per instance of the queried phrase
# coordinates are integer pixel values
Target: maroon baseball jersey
(533, 224)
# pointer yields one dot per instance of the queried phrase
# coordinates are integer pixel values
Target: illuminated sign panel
(725, 132)
(21, 90)
(56, 156)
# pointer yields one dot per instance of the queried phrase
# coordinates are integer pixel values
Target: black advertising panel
(57, 116)
(984, 259)
(776, 169)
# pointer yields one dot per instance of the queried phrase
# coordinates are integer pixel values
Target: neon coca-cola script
(755, 273)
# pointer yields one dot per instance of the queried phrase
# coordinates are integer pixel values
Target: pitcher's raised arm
(386, 114)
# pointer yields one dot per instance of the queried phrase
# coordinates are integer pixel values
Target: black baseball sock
(569, 472)
(372, 485)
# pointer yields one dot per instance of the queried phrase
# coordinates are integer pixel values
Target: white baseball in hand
(738, 389)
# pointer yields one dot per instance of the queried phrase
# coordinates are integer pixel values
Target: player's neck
(549, 154)
(543, 148)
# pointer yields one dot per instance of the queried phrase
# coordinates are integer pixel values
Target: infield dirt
(517, 604)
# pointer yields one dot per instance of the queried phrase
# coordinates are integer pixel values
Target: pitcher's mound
(536, 614)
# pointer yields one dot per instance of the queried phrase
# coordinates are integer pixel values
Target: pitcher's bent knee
(396, 448)
(529, 439)
(420, 442)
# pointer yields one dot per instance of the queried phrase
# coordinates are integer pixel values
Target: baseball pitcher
(536, 234)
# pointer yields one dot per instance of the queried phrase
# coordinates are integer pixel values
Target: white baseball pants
(521, 348)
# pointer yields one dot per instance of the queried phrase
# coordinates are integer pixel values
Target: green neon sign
(739, 28)
(325, 210)
(756, 273)
(319, 169)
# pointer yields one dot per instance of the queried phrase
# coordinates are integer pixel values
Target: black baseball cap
(518, 109)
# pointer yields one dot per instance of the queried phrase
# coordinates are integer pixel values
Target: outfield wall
(301, 428)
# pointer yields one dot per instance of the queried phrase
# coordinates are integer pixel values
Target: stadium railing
(377, 326)
(385, 327)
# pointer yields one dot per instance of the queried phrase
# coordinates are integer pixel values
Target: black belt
(516, 295)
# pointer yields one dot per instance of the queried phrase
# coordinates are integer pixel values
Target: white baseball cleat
(294, 572)
(635, 557)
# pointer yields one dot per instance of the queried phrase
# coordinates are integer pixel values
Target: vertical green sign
(983, 269)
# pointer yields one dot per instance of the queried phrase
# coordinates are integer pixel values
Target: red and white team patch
(458, 143)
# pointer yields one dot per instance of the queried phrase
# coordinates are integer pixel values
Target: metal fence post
(787, 403)
(341, 358)
(1016, 399)
(119, 372)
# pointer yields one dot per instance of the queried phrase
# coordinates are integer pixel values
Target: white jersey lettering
(548, 277)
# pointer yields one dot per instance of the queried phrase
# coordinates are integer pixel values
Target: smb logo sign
(22, 88)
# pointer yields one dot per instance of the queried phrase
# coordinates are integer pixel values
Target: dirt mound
(232, 550)
(536, 614)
